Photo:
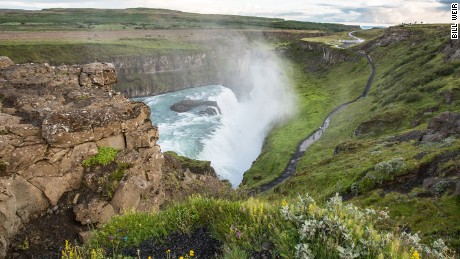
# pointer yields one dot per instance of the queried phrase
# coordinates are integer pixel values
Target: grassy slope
(75, 52)
(319, 93)
(410, 81)
(143, 18)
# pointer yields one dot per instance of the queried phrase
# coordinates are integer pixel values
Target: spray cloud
(265, 98)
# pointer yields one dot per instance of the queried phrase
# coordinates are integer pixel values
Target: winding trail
(316, 135)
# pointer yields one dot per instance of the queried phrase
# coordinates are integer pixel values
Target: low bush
(105, 156)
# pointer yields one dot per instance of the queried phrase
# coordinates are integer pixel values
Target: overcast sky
(344, 11)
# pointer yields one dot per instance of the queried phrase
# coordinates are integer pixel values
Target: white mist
(245, 123)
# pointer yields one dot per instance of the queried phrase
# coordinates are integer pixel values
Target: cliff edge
(54, 118)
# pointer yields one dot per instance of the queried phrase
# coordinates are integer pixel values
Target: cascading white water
(233, 139)
(245, 123)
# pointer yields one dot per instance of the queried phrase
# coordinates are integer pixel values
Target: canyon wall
(159, 73)
(330, 54)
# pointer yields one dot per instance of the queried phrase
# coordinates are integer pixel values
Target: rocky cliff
(155, 74)
(329, 55)
(159, 73)
(52, 119)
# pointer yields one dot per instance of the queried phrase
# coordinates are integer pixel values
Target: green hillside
(144, 18)
(378, 152)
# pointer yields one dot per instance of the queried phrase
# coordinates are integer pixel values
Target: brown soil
(44, 237)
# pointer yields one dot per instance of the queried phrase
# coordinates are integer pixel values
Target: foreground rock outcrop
(51, 120)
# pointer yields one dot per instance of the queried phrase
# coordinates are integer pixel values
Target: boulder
(9, 219)
(95, 212)
(29, 199)
(129, 156)
(142, 138)
(98, 75)
(85, 236)
(23, 130)
(82, 152)
(41, 74)
(40, 169)
(6, 120)
(442, 126)
(187, 105)
(117, 142)
(22, 157)
(208, 112)
(55, 186)
(128, 195)
(56, 154)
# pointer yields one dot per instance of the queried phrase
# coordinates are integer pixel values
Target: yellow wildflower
(415, 255)
(311, 207)
(93, 254)
(284, 203)
(192, 253)
(181, 257)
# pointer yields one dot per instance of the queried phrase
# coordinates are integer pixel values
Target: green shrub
(113, 180)
(391, 166)
(105, 156)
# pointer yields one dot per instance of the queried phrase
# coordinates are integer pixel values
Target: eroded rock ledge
(52, 119)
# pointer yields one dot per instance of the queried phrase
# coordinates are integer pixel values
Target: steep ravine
(316, 135)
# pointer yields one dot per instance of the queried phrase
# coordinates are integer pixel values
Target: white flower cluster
(335, 226)
(348, 232)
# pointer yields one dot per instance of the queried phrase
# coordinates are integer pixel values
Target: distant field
(186, 35)
(78, 35)
(335, 39)
(143, 19)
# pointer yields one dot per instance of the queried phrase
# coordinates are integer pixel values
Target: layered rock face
(329, 55)
(155, 74)
(51, 120)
